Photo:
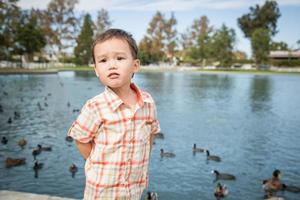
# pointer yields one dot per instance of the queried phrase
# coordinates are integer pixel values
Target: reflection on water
(261, 90)
(251, 122)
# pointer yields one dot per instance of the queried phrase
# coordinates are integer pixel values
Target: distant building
(285, 55)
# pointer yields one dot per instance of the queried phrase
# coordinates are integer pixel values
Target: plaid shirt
(117, 167)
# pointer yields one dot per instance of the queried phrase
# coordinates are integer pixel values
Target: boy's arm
(152, 137)
(84, 148)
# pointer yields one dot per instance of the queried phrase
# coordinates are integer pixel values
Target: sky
(134, 15)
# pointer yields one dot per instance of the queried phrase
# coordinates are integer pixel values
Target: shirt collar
(114, 101)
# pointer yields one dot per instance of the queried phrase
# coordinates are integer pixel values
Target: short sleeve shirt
(117, 167)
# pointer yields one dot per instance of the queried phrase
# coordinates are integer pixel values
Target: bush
(285, 63)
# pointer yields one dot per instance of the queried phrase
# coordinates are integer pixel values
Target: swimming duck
(40, 107)
(221, 191)
(223, 176)
(68, 104)
(75, 110)
(4, 140)
(151, 196)
(36, 152)
(195, 149)
(17, 115)
(22, 142)
(73, 169)
(166, 154)
(37, 165)
(9, 120)
(212, 157)
(274, 184)
(159, 135)
(40, 147)
(69, 139)
(12, 162)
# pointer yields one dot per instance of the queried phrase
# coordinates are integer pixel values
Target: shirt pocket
(110, 134)
(143, 135)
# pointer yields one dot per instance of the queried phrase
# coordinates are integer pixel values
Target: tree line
(57, 30)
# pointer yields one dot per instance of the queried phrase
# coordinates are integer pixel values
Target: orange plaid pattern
(117, 167)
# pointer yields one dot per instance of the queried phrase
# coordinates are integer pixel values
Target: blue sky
(134, 15)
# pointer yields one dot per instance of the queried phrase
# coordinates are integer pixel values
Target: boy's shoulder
(96, 100)
(147, 96)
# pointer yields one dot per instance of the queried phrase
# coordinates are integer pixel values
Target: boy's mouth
(113, 75)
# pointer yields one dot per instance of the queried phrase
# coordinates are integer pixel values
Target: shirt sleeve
(155, 127)
(85, 127)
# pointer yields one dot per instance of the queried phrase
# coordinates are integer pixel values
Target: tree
(263, 22)
(260, 43)
(82, 51)
(197, 38)
(103, 22)
(279, 46)
(171, 34)
(222, 43)
(9, 18)
(29, 37)
(152, 45)
(260, 17)
(61, 18)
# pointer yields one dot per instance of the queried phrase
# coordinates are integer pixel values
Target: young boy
(115, 129)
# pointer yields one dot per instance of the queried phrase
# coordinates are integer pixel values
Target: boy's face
(114, 64)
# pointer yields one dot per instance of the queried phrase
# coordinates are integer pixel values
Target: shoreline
(273, 70)
(15, 195)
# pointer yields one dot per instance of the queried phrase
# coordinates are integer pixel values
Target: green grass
(248, 71)
(143, 69)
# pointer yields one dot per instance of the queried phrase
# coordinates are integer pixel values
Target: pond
(251, 121)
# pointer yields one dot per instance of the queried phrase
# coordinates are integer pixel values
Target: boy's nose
(112, 64)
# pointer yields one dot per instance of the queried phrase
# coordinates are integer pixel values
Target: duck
(75, 110)
(4, 140)
(22, 142)
(160, 135)
(221, 191)
(12, 162)
(274, 184)
(68, 104)
(37, 165)
(166, 154)
(69, 139)
(151, 196)
(290, 188)
(36, 152)
(40, 107)
(17, 115)
(73, 169)
(212, 157)
(44, 148)
(223, 176)
(195, 149)
(9, 120)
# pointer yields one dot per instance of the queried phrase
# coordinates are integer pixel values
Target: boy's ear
(136, 65)
(96, 71)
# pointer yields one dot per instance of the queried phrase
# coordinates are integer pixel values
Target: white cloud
(162, 5)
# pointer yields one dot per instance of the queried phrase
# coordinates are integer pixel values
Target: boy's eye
(102, 60)
(120, 58)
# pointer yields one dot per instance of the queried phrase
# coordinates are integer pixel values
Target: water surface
(251, 121)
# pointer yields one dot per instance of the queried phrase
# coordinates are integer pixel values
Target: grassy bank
(4, 71)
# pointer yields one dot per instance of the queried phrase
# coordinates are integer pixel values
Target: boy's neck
(127, 95)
